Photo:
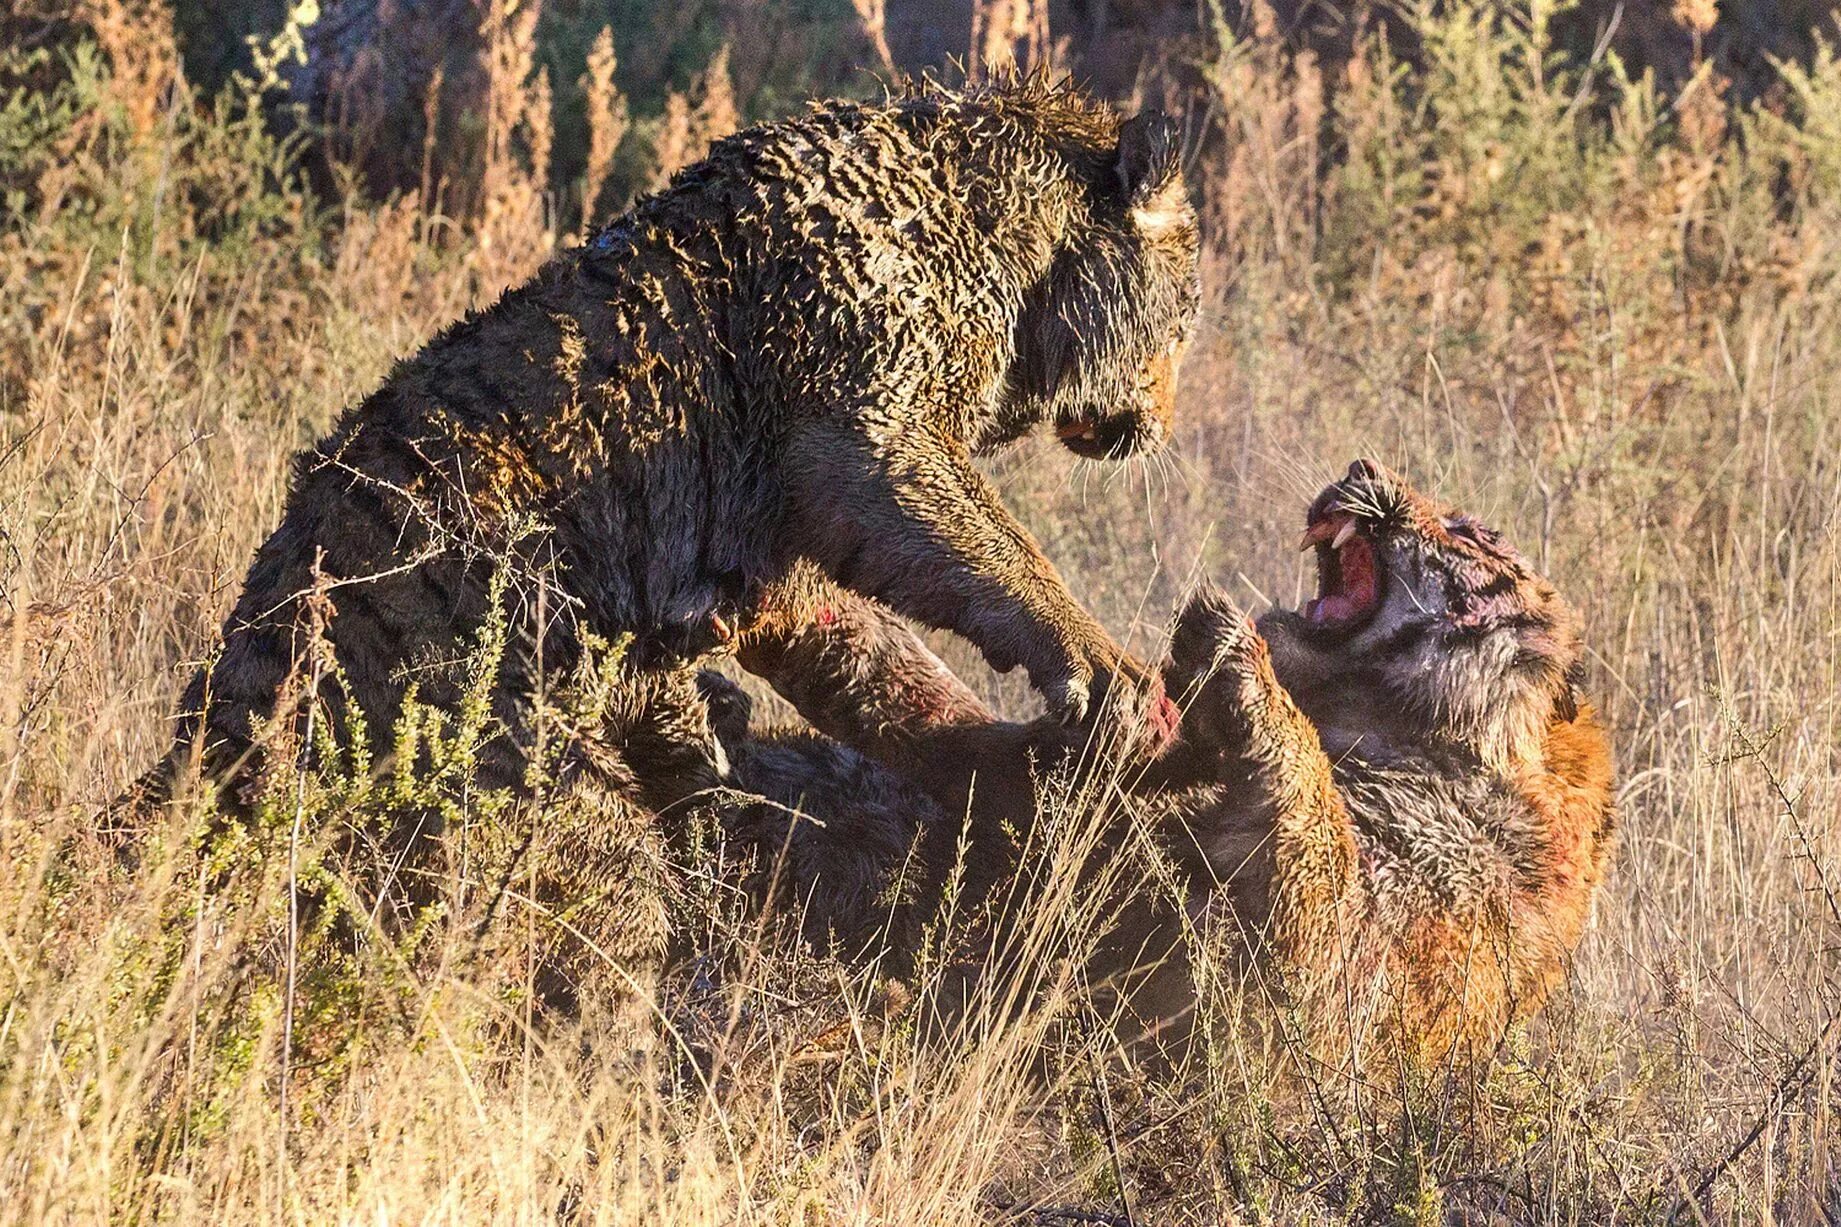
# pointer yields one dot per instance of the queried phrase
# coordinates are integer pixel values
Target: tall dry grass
(1602, 317)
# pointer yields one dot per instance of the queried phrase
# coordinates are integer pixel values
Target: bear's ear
(1151, 173)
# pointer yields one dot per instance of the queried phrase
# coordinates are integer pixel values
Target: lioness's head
(1425, 621)
(1100, 338)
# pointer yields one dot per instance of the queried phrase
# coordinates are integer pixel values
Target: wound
(1162, 720)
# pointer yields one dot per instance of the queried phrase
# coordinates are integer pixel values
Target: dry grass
(1599, 317)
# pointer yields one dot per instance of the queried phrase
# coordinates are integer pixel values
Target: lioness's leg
(856, 672)
(1268, 818)
(858, 852)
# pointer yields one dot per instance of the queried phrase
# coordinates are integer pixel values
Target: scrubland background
(1575, 266)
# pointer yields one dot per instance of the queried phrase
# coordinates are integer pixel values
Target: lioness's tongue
(1336, 607)
(1350, 588)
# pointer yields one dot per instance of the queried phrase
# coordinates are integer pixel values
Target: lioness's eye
(1462, 528)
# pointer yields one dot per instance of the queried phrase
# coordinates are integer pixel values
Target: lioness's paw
(1211, 634)
(1220, 669)
(1134, 712)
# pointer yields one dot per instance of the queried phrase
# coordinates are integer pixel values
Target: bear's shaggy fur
(784, 361)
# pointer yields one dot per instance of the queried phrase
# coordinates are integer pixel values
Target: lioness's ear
(1151, 172)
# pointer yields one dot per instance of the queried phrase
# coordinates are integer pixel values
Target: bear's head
(1100, 338)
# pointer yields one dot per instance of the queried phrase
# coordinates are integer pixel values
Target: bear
(755, 394)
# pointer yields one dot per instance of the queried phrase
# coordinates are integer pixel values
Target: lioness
(1394, 798)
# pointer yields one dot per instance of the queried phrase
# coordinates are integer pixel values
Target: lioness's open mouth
(1348, 572)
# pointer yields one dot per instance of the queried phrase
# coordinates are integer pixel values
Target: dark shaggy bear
(780, 365)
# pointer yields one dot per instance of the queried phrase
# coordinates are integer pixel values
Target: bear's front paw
(1068, 695)
(730, 708)
(1121, 703)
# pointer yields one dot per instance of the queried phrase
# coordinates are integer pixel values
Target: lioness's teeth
(1343, 534)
